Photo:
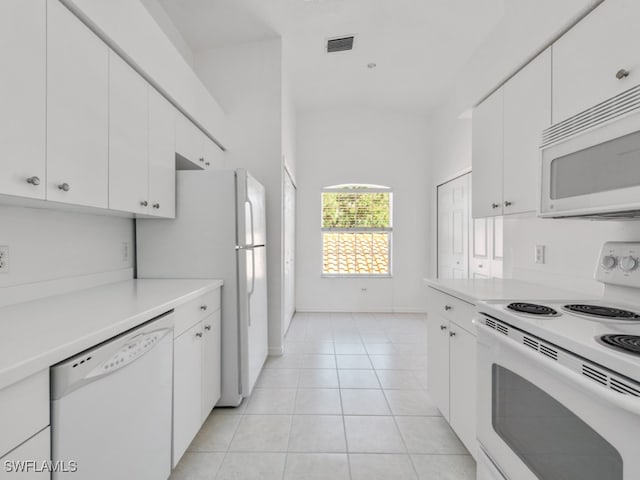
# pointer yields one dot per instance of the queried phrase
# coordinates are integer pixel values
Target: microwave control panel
(619, 264)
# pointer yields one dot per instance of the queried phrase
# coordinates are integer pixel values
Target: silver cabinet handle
(508, 204)
(443, 327)
(622, 73)
(201, 159)
(495, 205)
(207, 327)
(448, 307)
(452, 334)
(144, 203)
(207, 163)
(65, 187)
(203, 307)
(480, 265)
(199, 334)
(35, 181)
(156, 205)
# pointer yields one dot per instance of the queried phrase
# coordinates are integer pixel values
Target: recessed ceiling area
(417, 46)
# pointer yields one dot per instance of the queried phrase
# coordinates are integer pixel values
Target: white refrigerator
(219, 232)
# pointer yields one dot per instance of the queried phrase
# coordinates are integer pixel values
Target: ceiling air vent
(341, 44)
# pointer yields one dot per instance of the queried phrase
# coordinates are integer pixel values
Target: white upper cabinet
(487, 151)
(128, 138)
(77, 111)
(162, 156)
(527, 111)
(507, 132)
(590, 57)
(22, 96)
(189, 140)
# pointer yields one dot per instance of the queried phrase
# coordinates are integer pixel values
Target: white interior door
(289, 250)
(453, 228)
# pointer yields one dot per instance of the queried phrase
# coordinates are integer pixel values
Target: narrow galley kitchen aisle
(347, 400)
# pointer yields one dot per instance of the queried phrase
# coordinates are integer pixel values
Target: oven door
(593, 173)
(538, 420)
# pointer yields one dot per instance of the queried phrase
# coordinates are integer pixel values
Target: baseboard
(32, 291)
(276, 351)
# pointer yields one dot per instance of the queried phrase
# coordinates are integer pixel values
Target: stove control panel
(619, 264)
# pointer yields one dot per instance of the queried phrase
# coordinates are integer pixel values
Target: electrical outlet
(539, 254)
(124, 251)
(4, 259)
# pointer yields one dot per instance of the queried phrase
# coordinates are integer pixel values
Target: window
(356, 230)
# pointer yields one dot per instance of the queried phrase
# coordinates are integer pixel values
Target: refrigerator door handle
(251, 217)
(253, 284)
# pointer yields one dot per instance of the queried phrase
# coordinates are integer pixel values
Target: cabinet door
(527, 111)
(438, 361)
(487, 151)
(189, 140)
(211, 362)
(128, 138)
(463, 386)
(77, 111)
(22, 96)
(162, 156)
(187, 389)
(37, 448)
(213, 155)
(587, 58)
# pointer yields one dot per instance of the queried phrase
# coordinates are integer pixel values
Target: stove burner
(602, 312)
(533, 309)
(627, 343)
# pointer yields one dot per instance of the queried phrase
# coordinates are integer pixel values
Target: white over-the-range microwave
(590, 165)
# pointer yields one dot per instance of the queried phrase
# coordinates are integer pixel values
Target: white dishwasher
(111, 406)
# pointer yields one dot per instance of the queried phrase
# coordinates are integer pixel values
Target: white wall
(572, 249)
(450, 156)
(161, 17)
(363, 146)
(48, 248)
(247, 80)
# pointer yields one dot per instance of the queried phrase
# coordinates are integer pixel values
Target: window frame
(364, 188)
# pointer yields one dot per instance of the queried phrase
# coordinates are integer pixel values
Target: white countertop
(475, 290)
(37, 334)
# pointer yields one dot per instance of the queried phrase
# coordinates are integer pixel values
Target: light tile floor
(347, 400)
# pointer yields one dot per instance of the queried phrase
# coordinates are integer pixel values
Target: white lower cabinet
(196, 368)
(452, 363)
(462, 385)
(187, 389)
(27, 462)
(438, 364)
(211, 361)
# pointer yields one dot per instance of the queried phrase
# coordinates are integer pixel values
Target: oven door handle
(626, 402)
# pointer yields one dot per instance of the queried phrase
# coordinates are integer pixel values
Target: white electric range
(559, 381)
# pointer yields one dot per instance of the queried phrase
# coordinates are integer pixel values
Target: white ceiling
(419, 46)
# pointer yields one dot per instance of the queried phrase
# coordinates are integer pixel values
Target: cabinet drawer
(192, 312)
(36, 449)
(24, 410)
(451, 308)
